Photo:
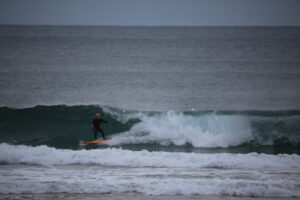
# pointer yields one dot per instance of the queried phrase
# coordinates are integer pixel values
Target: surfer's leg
(95, 134)
(102, 133)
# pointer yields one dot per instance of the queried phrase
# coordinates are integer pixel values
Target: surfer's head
(98, 116)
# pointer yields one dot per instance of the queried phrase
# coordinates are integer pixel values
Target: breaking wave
(63, 126)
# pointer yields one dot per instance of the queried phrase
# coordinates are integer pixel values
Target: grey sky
(151, 12)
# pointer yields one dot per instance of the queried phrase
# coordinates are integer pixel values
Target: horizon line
(158, 26)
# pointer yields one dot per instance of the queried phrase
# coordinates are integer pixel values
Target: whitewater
(47, 170)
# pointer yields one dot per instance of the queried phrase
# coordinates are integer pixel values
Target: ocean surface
(194, 112)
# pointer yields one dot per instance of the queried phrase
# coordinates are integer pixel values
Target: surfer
(96, 125)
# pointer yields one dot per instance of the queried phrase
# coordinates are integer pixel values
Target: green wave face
(197, 131)
(56, 126)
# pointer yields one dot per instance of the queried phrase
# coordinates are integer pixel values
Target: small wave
(43, 155)
(156, 186)
(49, 170)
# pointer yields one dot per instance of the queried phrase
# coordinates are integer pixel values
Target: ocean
(194, 112)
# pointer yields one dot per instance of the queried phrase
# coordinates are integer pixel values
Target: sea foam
(48, 170)
(43, 155)
(179, 129)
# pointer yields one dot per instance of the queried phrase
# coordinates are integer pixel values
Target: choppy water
(192, 111)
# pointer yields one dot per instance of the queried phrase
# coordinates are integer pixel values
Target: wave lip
(43, 155)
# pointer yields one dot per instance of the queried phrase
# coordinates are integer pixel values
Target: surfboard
(95, 141)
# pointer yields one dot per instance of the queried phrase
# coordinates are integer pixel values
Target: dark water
(151, 68)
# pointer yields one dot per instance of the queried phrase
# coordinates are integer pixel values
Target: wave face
(64, 126)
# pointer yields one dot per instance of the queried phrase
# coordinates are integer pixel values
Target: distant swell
(64, 126)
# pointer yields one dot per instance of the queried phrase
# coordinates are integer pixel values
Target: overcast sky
(152, 12)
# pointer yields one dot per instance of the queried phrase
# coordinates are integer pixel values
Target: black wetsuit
(96, 127)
